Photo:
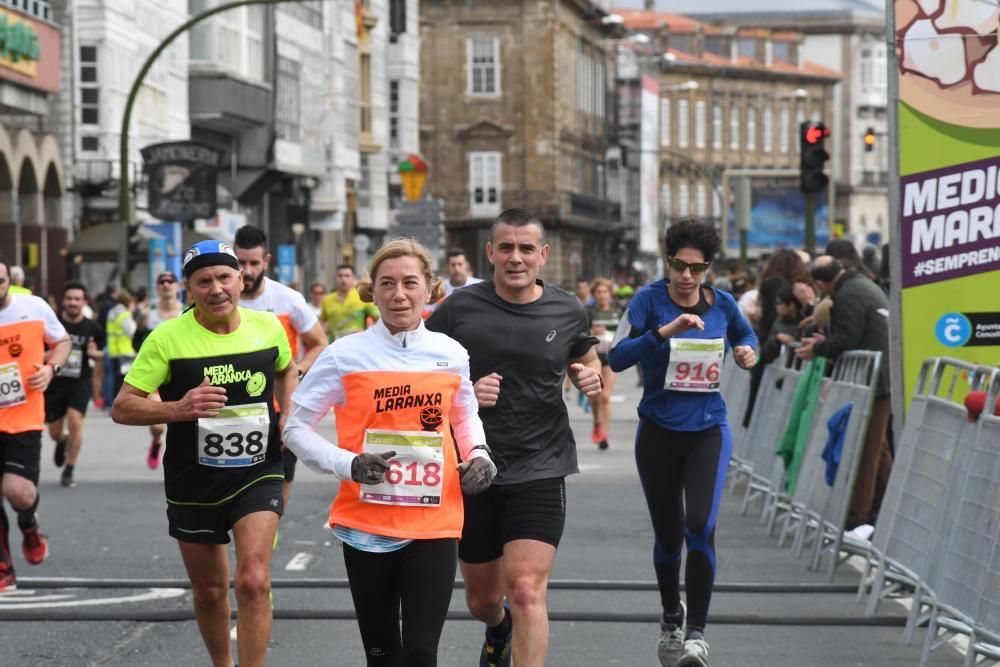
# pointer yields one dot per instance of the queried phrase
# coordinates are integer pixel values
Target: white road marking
(153, 594)
(232, 633)
(299, 562)
(20, 597)
(584, 467)
(617, 398)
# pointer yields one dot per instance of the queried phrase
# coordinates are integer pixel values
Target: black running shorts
(288, 460)
(534, 510)
(21, 454)
(211, 525)
(64, 394)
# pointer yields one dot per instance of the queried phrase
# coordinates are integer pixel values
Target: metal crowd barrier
(767, 425)
(736, 393)
(925, 476)
(824, 507)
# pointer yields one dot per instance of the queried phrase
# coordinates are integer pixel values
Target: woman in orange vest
(400, 394)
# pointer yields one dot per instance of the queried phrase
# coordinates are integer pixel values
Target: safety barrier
(736, 393)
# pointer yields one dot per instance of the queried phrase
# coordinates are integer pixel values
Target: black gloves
(370, 468)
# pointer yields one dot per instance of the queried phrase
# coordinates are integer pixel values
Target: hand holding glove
(370, 468)
(477, 473)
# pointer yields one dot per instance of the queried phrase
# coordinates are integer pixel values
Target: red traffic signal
(816, 133)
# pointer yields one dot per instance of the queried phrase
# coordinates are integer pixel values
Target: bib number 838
(252, 444)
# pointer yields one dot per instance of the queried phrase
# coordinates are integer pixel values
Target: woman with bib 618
(679, 330)
(399, 392)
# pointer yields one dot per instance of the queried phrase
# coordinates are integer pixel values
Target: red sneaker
(98, 402)
(153, 455)
(35, 547)
(7, 580)
(595, 434)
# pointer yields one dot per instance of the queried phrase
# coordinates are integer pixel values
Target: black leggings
(420, 577)
(682, 474)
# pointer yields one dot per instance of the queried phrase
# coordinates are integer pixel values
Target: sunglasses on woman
(165, 281)
(696, 267)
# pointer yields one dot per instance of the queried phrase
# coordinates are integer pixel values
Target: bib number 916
(234, 444)
(697, 372)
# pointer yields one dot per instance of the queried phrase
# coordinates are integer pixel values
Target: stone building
(846, 36)
(516, 109)
(730, 98)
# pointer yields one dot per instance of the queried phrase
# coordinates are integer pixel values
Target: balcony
(594, 209)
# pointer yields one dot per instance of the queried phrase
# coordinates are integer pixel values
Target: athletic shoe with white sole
(670, 647)
(695, 654)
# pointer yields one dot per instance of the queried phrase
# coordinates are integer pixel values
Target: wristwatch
(485, 448)
(55, 368)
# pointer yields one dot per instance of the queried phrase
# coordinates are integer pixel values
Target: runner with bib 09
(678, 330)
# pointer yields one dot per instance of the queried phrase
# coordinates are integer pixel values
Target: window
(310, 13)
(867, 73)
(734, 127)
(699, 124)
(784, 132)
(90, 92)
(683, 202)
(394, 113)
(365, 95)
(397, 18)
(879, 71)
(782, 51)
(716, 45)
(484, 184)
(89, 144)
(701, 200)
(800, 117)
(483, 65)
(240, 41)
(751, 128)
(665, 121)
(768, 141)
(717, 126)
(747, 46)
(287, 105)
(682, 123)
(665, 204)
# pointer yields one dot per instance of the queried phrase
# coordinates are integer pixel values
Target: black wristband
(656, 334)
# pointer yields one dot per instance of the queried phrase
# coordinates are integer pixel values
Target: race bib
(415, 473)
(695, 364)
(235, 438)
(604, 342)
(73, 366)
(12, 390)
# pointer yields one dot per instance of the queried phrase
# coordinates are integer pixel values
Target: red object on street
(975, 402)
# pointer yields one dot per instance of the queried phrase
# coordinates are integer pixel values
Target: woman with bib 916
(399, 392)
(679, 331)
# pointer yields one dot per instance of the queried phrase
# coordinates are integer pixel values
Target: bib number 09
(10, 387)
(251, 443)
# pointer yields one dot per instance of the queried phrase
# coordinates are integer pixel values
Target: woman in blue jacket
(679, 330)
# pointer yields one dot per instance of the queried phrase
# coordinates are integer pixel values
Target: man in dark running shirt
(523, 336)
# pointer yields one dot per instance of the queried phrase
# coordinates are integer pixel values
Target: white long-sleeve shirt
(374, 350)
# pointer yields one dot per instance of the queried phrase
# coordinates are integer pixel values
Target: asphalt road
(113, 590)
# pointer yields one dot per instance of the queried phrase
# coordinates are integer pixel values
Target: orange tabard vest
(24, 343)
(399, 401)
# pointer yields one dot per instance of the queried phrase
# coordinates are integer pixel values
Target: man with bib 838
(217, 368)
(679, 330)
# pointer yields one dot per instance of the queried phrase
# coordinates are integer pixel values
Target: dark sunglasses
(165, 281)
(696, 267)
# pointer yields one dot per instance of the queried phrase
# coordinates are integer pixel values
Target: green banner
(947, 240)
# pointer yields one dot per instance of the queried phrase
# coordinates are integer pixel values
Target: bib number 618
(410, 475)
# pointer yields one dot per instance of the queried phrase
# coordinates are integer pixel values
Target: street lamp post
(125, 201)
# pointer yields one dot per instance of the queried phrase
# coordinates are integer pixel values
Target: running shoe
(153, 456)
(98, 402)
(695, 654)
(595, 435)
(603, 444)
(67, 478)
(35, 547)
(497, 653)
(59, 456)
(8, 582)
(671, 645)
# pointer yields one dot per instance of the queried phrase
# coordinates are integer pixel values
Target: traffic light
(870, 139)
(813, 156)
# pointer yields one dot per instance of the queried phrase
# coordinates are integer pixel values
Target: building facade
(33, 228)
(730, 99)
(517, 109)
(846, 36)
(295, 97)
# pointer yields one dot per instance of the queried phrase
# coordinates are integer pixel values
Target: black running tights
(682, 475)
(418, 578)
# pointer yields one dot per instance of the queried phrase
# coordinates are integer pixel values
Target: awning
(100, 242)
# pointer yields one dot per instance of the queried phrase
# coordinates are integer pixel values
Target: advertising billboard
(777, 216)
(946, 243)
